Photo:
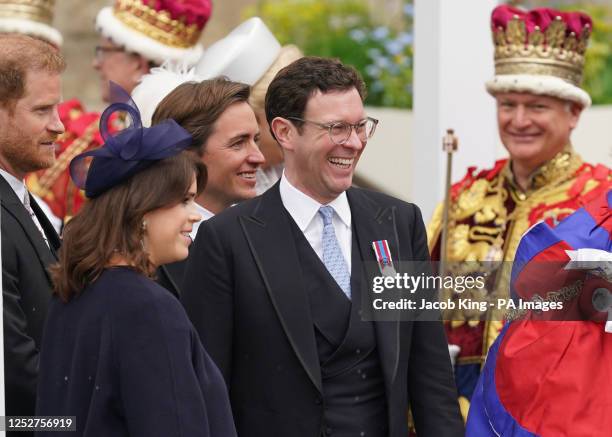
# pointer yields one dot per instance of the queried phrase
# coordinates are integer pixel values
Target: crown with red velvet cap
(159, 30)
(541, 51)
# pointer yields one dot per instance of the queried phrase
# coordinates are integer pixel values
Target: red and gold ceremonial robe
(54, 184)
(488, 215)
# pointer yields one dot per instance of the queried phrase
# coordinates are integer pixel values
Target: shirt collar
(18, 186)
(303, 208)
(206, 214)
(561, 167)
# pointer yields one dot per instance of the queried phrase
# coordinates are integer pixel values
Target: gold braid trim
(40, 11)
(553, 52)
(478, 359)
(434, 227)
(157, 25)
(550, 186)
(79, 145)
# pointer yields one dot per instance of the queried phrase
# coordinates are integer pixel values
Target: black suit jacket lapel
(165, 279)
(52, 237)
(13, 206)
(373, 222)
(268, 234)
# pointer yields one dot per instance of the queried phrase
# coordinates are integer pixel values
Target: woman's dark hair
(111, 224)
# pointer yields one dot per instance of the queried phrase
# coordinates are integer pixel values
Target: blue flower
(383, 62)
(380, 33)
(372, 71)
(409, 10)
(357, 35)
(394, 47)
(405, 38)
(393, 69)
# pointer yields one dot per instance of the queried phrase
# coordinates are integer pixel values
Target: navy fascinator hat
(128, 152)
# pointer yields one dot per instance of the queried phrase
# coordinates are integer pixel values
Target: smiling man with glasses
(274, 285)
(114, 63)
(340, 131)
(539, 100)
(137, 35)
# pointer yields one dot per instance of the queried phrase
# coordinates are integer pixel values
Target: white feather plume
(160, 82)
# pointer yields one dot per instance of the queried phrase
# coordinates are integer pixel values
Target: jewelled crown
(35, 10)
(537, 49)
(173, 27)
(158, 29)
(30, 17)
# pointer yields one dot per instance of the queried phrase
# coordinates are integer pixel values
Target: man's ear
(142, 67)
(284, 132)
(575, 110)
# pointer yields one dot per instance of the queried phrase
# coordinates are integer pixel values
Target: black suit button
(318, 401)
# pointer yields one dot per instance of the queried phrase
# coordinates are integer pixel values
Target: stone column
(453, 57)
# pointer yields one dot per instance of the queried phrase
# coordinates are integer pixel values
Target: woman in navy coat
(118, 351)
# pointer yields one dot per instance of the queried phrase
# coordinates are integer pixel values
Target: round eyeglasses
(340, 131)
(101, 51)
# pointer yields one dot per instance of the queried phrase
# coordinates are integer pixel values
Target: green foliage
(597, 80)
(383, 55)
(345, 29)
(598, 66)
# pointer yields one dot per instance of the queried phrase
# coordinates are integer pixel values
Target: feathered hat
(244, 55)
(128, 152)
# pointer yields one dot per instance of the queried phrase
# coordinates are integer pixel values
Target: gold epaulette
(471, 177)
(434, 226)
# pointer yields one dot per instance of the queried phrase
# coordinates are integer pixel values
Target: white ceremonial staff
(449, 145)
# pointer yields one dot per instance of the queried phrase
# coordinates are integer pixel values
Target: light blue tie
(332, 254)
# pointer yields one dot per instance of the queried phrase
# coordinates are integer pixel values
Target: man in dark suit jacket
(275, 286)
(29, 125)
(225, 135)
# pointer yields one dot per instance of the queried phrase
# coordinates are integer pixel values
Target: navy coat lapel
(268, 233)
(373, 222)
(13, 206)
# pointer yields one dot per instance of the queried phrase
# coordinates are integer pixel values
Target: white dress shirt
(305, 212)
(18, 186)
(268, 177)
(206, 214)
